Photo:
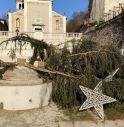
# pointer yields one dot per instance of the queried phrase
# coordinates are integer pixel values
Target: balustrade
(113, 13)
(62, 37)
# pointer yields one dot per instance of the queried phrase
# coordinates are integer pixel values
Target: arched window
(17, 23)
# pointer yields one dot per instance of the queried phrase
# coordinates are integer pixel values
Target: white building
(36, 16)
(104, 9)
(37, 19)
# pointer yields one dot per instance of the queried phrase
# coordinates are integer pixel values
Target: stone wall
(6, 54)
(108, 32)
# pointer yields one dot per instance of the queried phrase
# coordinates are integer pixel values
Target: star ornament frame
(95, 98)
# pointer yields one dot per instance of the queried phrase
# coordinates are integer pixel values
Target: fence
(113, 13)
(52, 38)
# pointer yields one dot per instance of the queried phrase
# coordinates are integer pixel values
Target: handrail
(113, 13)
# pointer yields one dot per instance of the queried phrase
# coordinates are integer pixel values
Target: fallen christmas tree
(86, 64)
(89, 64)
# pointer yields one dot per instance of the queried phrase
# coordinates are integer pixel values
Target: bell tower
(19, 4)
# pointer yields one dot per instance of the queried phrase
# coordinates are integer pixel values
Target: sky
(62, 6)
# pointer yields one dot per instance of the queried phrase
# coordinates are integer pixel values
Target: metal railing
(113, 13)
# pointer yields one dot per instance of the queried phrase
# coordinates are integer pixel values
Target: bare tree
(79, 20)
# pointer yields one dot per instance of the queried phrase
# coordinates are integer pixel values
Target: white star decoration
(107, 79)
(95, 98)
(111, 75)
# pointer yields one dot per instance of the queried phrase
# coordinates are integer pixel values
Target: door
(38, 32)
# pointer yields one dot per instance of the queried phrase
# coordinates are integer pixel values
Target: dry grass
(75, 115)
(113, 114)
(110, 114)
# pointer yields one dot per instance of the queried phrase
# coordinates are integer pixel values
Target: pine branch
(86, 53)
(49, 71)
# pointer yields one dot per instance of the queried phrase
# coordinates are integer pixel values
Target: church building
(36, 16)
(100, 8)
(37, 19)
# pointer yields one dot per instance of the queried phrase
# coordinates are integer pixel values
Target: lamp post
(17, 31)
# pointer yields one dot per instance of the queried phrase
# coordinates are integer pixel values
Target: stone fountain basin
(18, 93)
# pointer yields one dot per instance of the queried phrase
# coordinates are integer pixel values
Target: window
(17, 23)
(57, 25)
(38, 29)
(20, 6)
(23, 6)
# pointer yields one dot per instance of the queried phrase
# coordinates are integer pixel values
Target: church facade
(36, 16)
(37, 19)
(100, 9)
